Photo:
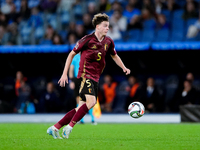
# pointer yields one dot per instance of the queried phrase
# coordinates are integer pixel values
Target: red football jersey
(93, 55)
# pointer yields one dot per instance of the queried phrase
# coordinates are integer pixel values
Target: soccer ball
(136, 109)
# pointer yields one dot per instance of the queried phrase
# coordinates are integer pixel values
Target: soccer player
(93, 48)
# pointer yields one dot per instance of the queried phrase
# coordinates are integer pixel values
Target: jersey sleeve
(80, 44)
(112, 50)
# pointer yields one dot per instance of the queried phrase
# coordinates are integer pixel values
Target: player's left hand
(127, 71)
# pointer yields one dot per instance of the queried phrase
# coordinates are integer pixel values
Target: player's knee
(91, 103)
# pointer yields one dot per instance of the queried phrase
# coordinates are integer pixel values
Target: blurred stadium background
(157, 39)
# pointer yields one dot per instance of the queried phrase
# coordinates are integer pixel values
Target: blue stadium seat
(149, 24)
(39, 33)
(190, 39)
(177, 14)
(63, 34)
(167, 14)
(148, 35)
(124, 34)
(17, 4)
(178, 24)
(181, 3)
(133, 35)
(78, 12)
(22, 24)
(2, 2)
(177, 35)
(33, 3)
(35, 21)
(52, 20)
(124, 4)
(25, 33)
(162, 35)
(65, 17)
(45, 42)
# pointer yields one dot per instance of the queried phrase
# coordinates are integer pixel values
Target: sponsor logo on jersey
(105, 46)
(77, 45)
(94, 47)
(87, 75)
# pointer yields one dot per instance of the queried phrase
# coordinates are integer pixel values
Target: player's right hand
(63, 80)
(127, 71)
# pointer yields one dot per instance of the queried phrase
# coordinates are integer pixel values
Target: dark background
(147, 63)
(39, 67)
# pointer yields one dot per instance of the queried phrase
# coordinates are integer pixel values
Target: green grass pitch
(18, 136)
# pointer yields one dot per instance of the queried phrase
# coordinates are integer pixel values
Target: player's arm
(79, 45)
(64, 78)
(71, 71)
(119, 62)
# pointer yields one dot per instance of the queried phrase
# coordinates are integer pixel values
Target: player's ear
(97, 26)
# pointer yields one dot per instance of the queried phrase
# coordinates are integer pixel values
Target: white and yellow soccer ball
(136, 109)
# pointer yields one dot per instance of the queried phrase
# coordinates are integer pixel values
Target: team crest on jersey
(94, 47)
(77, 45)
(105, 46)
(90, 90)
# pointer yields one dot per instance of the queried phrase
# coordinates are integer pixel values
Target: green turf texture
(18, 136)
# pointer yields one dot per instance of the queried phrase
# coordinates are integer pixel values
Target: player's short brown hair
(98, 18)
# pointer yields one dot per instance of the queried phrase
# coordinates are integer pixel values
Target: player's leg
(81, 112)
(67, 118)
(82, 120)
(54, 130)
(79, 104)
(88, 93)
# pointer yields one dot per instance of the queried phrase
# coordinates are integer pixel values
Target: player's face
(103, 27)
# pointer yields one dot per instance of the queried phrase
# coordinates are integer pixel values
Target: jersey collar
(97, 38)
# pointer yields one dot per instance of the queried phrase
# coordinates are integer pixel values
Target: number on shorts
(88, 82)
